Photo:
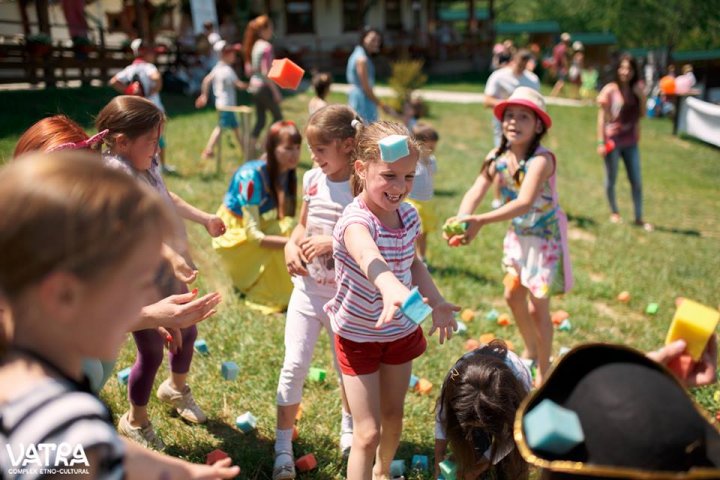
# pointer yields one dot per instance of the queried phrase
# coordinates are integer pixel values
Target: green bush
(407, 75)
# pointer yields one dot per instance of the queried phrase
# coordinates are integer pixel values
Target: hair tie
(355, 123)
(97, 138)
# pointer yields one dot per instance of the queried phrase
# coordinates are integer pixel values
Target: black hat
(637, 419)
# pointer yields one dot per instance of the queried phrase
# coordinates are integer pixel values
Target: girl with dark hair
(360, 74)
(535, 251)
(622, 104)
(476, 410)
(259, 211)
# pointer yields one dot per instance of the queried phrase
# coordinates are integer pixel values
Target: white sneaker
(183, 402)
(346, 442)
(145, 436)
(284, 467)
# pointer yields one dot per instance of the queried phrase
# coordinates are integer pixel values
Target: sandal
(648, 227)
(284, 471)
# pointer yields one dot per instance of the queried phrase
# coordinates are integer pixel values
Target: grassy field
(679, 258)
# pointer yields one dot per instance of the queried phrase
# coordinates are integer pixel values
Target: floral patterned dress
(535, 246)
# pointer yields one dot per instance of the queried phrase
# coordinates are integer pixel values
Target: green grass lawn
(679, 258)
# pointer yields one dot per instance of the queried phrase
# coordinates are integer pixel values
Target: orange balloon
(667, 85)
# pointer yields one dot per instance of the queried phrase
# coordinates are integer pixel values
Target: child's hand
(218, 470)
(703, 372)
(443, 316)
(182, 310)
(182, 270)
(393, 298)
(172, 338)
(601, 150)
(215, 226)
(316, 245)
(201, 101)
(473, 227)
(294, 259)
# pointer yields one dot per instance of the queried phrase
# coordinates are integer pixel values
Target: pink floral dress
(535, 246)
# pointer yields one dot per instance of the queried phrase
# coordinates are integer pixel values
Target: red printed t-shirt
(357, 304)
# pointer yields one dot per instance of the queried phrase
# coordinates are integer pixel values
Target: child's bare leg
(544, 328)
(212, 141)
(138, 415)
(517, 301)
(363, 393)
(394, 380)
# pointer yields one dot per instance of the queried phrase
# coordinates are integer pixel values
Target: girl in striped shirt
(375, 268)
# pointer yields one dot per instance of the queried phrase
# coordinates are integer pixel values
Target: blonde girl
(375, 268)
(72, 298)
(308, 255)
(134, 126)
(535, 253)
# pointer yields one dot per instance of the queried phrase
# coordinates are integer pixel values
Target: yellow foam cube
(694, 323)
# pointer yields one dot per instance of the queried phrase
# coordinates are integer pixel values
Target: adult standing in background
(622, 104)
(360, 74)
(258, 55)
(560, 63)
(500, 85)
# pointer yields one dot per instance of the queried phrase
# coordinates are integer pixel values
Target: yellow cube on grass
(694, 323)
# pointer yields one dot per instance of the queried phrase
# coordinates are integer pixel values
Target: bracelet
(601, 142)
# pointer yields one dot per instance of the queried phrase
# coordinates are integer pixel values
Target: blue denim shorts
(228, 120)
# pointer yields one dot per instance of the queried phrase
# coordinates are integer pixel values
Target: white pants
(305, 319)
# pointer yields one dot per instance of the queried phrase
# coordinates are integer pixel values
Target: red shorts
(363, 358)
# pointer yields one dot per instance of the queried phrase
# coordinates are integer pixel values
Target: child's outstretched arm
(443, 311)
(364, 251)
(295, 261)
(212, 223)
(201, 101)
(143, 463)
(538, 172)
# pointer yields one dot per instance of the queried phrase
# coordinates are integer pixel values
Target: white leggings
(305, 319)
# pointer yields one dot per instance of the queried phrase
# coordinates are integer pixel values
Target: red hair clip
(97, 138)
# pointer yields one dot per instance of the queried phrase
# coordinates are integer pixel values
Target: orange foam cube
(504, 320)
(681, 366)
(296, 433)
(423, 386)
(486, 338)
(559, 316)
(694, 323)
(306, 463)
(215, 456)
(286, 73)
(467, 315)
(623, 297)
(511, 282)
(471, 344)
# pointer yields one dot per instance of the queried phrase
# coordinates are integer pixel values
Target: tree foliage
(678, 24)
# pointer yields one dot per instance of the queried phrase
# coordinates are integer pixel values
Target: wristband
(601, 142)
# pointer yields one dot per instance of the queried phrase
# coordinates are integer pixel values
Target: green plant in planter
(407, 75)
(38, 44)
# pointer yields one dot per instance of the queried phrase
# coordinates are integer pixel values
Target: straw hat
(525, 97)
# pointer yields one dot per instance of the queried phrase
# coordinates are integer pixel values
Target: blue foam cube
(123, 375)
(492, 315)
(565, 326)
(229, 370)
(413, 381)
(414, 308)
(419, 462)
(246, 422)
(552, 428)
(448, 469)
(394, 147)
(201, 347)
(461, 328)
(397, 468)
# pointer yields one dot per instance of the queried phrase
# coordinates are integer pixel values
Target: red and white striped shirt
(357, 304)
